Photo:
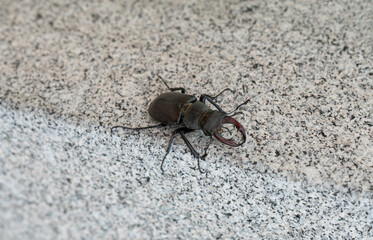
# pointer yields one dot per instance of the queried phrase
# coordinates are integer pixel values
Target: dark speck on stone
(277, 153)
(38, 16)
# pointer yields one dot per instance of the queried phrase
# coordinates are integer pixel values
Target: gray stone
(70, 70)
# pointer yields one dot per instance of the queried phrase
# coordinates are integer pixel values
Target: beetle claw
(229, 141)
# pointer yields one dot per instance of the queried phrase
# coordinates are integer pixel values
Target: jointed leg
(172, 89)
(216, 96)
(203, 99)
(182, 131)
(206, 148)
(168, 148)
(194, 152)
(211, 99)
(139, 128)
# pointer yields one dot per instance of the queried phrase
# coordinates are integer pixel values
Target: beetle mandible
(186, 111)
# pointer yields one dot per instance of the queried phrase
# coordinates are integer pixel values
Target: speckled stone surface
(71, 70)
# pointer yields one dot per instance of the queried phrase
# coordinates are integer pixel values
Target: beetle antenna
(248, 100)
(227, 89)
(236, 113)
(227, 129)
(139, 128)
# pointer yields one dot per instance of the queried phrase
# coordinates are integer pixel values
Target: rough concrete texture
(69, 71)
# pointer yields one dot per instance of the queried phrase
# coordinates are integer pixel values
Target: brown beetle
(178, 108)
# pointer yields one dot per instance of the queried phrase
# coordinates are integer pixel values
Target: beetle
(190, 114)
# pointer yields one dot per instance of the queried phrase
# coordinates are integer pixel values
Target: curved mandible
(238, 127)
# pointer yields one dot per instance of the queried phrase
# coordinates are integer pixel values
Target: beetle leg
(168, 149)
(203, 99)
(172, 89)
(206, 148)
(203, 96)
(139, 128)
(191, 148)
(178, 89)
(182, 131)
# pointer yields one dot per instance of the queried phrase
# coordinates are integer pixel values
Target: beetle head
(212, 124)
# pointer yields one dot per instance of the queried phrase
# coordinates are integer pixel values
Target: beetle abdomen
(167, 107)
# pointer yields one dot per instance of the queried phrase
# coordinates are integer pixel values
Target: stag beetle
(178, 108)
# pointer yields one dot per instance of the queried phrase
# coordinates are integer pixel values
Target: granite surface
(69, 70)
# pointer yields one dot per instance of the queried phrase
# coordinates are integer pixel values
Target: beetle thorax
(192, 113)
